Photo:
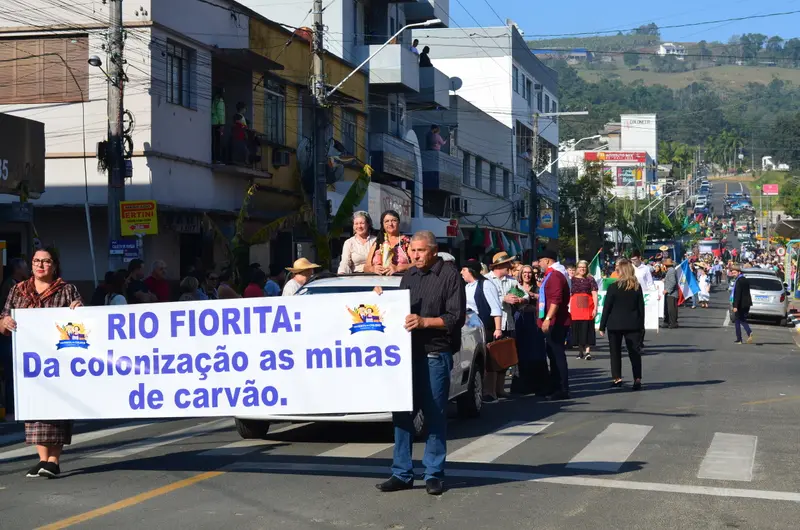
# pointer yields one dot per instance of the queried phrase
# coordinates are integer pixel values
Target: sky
(537, 18)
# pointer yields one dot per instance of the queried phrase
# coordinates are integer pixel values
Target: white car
(466, 377)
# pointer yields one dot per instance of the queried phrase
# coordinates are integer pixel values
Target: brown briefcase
(502, 354)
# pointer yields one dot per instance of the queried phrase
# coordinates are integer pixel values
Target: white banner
(653, 308)
(321, 354)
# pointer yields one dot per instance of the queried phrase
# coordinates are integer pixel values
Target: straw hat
(663, 248)
(500, 258)
(301, 265)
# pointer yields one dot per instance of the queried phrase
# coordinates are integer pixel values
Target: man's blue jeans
(431, 380)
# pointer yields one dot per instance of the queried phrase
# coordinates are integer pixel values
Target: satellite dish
(456, 83)
(304, 154)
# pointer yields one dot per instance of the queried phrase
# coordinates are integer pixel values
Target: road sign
(129, 249)
(770, 189)
(780, 251)
(138, 218)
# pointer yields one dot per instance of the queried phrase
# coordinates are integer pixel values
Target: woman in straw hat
(301, 271)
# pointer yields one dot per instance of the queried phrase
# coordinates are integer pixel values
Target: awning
(788, 228)
(240, 57)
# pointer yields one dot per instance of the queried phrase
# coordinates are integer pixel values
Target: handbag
(502, 354)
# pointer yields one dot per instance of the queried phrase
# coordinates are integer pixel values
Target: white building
(670, 49)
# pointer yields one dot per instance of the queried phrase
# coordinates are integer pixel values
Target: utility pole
(320, 196)
(116, 168)
(533, 207)
(575, 209)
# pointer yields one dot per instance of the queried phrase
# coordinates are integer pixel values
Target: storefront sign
(452, 228)
(615, 156)
(546, 218)
(770, 189)
(138, 218)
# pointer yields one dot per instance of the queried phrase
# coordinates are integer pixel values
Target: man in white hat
(301, 271)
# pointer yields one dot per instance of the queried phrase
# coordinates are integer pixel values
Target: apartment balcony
(392, 156)
(393, 69)
(423, 10)
(434, 90)
(441, 172)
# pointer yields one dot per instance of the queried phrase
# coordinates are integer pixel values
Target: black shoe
(34, 471)
(50, 470)
(434, 486)
(394, 484)
(558, 396)
(637, 385)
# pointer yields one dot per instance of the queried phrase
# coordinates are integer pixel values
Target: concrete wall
(46, 13)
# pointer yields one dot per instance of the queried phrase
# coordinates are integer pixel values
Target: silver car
(769, 295)
(466, 377)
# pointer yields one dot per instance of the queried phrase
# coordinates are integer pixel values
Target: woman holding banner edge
(44, 289)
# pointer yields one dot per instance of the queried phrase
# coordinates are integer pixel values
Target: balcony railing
(441, 171)
(392, 156)
(434, 89)
(394, 69)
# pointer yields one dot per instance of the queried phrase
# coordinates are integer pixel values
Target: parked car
(466, 377)
(769, 295)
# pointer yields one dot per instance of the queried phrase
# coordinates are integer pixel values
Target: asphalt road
(710, 442)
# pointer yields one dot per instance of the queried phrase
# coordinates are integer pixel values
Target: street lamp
(376, 52)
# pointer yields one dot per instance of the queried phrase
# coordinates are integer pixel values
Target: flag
(596, 270)
(687, 282)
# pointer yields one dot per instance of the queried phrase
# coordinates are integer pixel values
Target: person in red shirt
(255, 289)
(554, 320)
(157, 281)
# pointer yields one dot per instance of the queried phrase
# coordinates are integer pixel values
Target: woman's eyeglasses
(42, 261)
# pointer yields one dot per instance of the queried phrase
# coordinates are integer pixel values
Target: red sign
(615, 156)
(770, 189)
(452, 228)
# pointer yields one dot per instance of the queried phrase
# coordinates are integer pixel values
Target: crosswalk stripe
(611, 448)
(356, 450)
(163, 439)
(492, 446)
(243, 447)
(729, 457)
(76, 439)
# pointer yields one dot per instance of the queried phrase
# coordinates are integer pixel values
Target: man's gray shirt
(671, 282)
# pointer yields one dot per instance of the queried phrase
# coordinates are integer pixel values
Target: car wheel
(783, 322)
(252, 429)
(470, 403)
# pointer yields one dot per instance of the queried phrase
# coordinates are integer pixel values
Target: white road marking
(356, 450)
(492, 446)
(76, 440)
(510, 476)
(727, 321)
(163, 439)
(243, 447)
(730, 457)
(611, 448)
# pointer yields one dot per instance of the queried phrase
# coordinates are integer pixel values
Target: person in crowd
(671, 294)
(389, 254)
(415, 47)
(226, 291)
(240, 153)
(532, 374)
(137, 291)
(483, 299)
(115, 288)
(433, 140)
(623, 318)
(704, 281)
(157, 281)
(302, 271)
(189, 287)
(256, 283)
(277, 274)
(741, 302)
(357, 248)
(210, 285)
(510, 295)
(554, 320)
(438, 312)
(424, 59)
(583, 310)
(645, 277)
(100, 292)
(44, 289)
(17, 272)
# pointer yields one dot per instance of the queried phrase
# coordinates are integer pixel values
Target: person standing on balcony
(239, 135)
(424, 60)
(414, 47)
(217, 125)
(433, 139)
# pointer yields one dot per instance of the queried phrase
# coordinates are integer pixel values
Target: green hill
(616, 43)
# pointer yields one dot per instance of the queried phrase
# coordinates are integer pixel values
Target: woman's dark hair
(258, 277)
(117, 283)
(53, 256)
(109, 277)
(381, 231)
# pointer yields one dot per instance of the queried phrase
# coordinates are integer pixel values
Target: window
(478, 173)
(32, 71)
(349, 131)
(179, 75)
(274, 112)
(515, 78)
(492, 178)
(465, 169)
(528, 91)
(553, 106)
(539, 101)
(546, 103)
(506, 183)
(393, 112)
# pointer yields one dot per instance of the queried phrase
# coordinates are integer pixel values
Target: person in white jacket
(645, 277)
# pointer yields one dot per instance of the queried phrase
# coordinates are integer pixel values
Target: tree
(631, 59)
(790, 197)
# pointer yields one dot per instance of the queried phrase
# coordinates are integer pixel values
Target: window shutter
(29, 71)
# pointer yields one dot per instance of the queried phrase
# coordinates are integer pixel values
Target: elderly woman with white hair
(356, 249)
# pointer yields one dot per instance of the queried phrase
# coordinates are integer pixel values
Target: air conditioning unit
(537, 87)
(459, 205)
(280, 157)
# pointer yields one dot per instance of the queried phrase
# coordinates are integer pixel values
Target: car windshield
(760, 283)
(337, 289)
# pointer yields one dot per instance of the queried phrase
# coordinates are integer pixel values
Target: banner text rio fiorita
(321, 354)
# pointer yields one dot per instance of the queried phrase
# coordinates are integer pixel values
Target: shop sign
(138, 218)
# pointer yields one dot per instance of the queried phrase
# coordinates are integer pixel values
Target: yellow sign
(138, 218)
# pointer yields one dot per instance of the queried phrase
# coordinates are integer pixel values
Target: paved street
(711, 442)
